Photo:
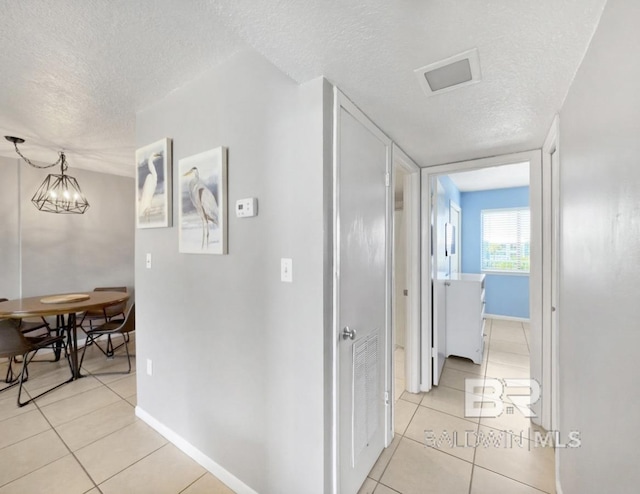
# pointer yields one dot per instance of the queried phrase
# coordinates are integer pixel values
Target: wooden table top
(33, 306)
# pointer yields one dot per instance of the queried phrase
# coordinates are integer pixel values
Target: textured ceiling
(74, 73)
(496, 177)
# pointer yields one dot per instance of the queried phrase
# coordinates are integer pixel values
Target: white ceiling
(496, 177)
(74, 73)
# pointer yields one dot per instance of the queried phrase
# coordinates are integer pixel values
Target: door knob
(348, 333)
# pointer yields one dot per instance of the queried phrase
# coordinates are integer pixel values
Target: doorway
(430, 249)
(400, 288)
(406, 273)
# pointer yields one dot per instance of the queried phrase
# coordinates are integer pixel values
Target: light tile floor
(85, 438)
(517, 466)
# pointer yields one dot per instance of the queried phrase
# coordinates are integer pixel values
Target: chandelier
(59, 193)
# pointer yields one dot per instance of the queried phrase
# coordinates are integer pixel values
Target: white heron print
(153, 183)
(203, 203)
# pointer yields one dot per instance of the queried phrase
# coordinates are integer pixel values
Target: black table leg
(72, 336)
(58, 329)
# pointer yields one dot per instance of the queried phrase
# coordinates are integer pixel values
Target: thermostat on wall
(246, 208)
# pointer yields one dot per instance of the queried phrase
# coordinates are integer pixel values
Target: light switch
(286, 270)
(148, 260)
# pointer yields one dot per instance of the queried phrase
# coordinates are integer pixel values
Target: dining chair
(104, 315)
(109, 312)
(43, 328)
(13, 343)
(30, 326)
(113, 328)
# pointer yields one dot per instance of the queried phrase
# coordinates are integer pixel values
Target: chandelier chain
(61, 160)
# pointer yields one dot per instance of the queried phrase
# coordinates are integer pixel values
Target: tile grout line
(54, 429)
(97, 486)
(134, 463)
(514, 480)
(196, 480)
(434, 449)
(84, 414)
(478, 424)
(26, 437)
(65, 445)
(30, 472)
(400, 439)
(388, 487)
(475, 450)
(450, 414)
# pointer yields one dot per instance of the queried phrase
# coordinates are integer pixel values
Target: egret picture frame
(202, 215)
(154, 185)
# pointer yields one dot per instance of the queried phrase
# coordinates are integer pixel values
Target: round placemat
(65, 299)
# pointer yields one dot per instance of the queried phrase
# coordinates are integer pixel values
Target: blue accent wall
(451, 191)
(447, 192)
(506, 295)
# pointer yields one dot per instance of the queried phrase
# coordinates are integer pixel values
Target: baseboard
(190, 450)
(507, 318)
(557, 461)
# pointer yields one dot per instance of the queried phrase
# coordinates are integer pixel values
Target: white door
(454, 255)
(439, 335)
(439, 328)
(555, 253)
(363, 295)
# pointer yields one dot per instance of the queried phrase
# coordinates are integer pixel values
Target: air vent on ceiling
(453, 73)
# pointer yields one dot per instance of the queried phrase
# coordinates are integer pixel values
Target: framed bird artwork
(153, 185)
(203, 203)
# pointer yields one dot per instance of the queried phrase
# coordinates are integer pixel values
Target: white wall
(9, 229)
(600, 260)
(52, 253)
(238, 356)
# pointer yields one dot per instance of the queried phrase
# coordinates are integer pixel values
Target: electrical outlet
(149, 367)
(286, 270)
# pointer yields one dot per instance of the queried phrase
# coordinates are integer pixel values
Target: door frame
(553, 233)
(457, 209)
(412, 218)
(535, 275)
(340, 101)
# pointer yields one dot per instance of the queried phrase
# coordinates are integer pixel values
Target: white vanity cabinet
(464, 315)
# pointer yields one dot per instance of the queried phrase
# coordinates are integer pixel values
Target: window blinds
(506, 240)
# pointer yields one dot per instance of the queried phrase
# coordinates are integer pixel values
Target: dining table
(66, 307)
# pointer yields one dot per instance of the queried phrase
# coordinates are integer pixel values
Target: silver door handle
(348, 333)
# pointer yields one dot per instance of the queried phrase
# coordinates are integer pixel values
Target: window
(506, 240)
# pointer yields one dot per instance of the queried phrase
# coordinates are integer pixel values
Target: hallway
(502, 462)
